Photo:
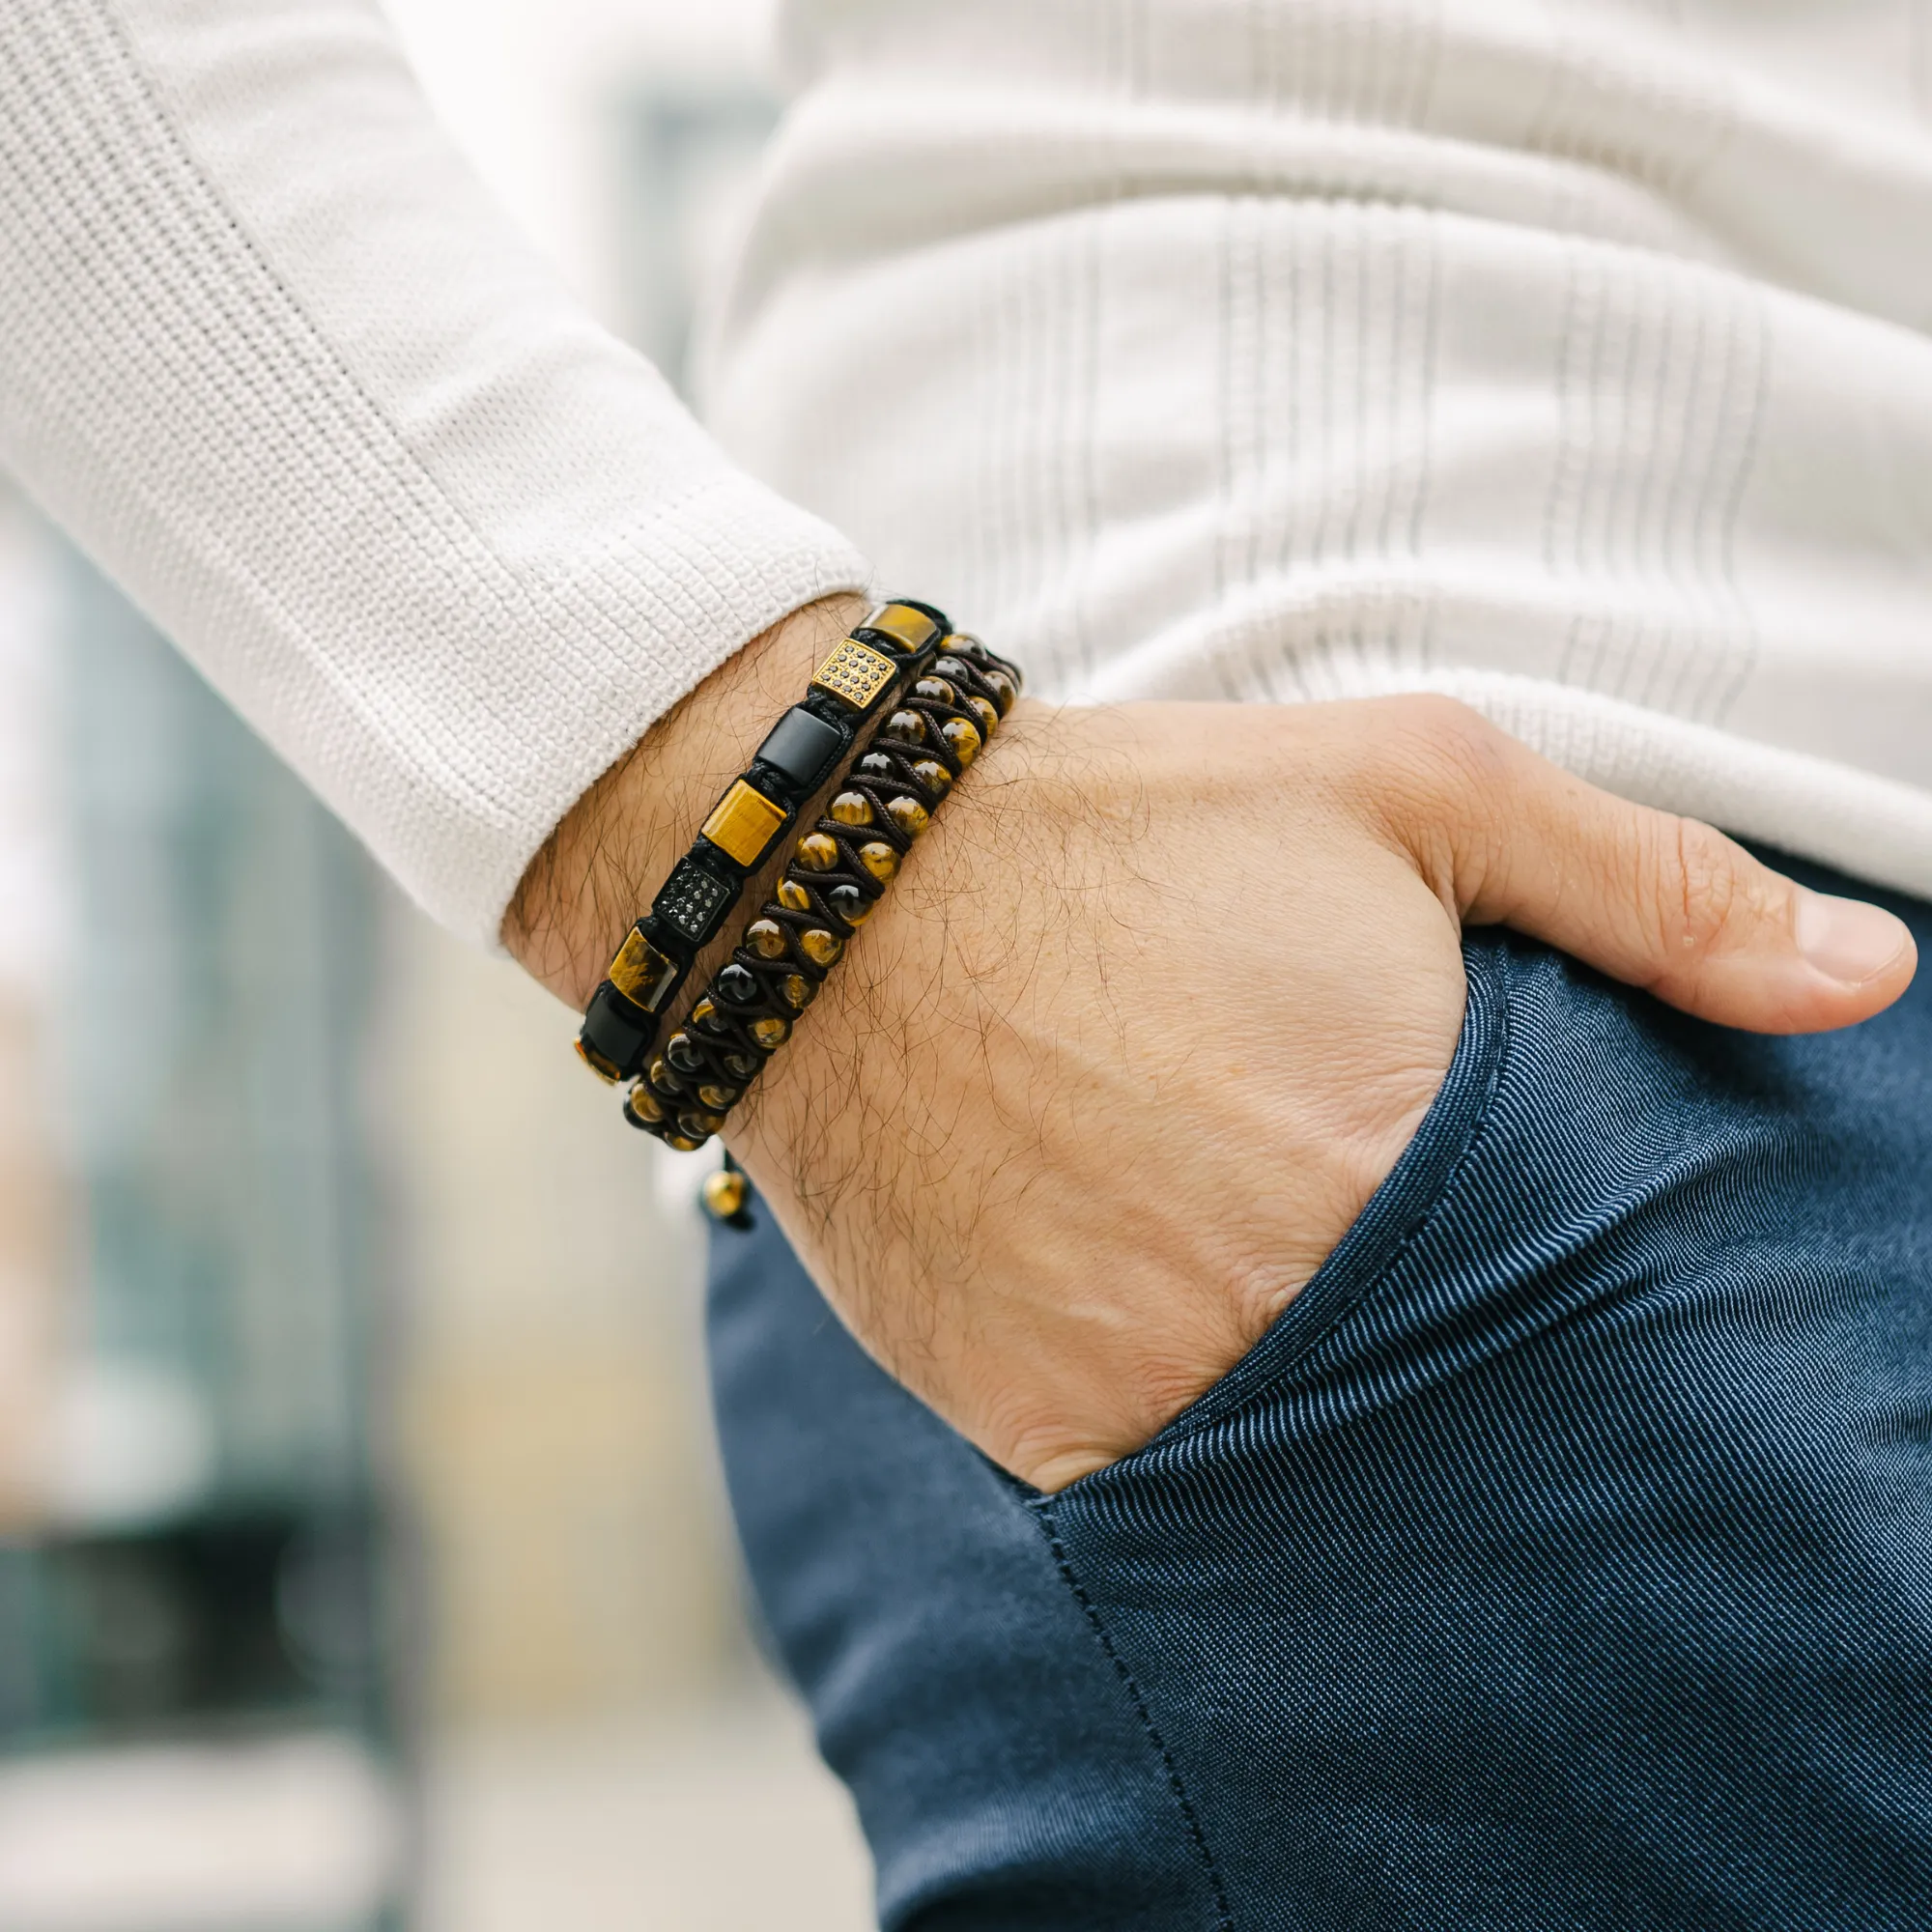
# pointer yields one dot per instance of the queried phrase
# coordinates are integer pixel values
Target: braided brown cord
(838, 873)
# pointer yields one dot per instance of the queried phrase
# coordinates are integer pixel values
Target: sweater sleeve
(270, 353)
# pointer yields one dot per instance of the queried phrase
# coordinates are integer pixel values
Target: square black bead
(693, 900)
(614, 1032)
(802, 745)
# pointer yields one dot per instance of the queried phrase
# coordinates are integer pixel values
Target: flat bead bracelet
(861, 676)
(836, 876)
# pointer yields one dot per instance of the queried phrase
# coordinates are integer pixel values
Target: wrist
(608, 856)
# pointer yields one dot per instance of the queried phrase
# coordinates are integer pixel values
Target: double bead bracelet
(942, 696)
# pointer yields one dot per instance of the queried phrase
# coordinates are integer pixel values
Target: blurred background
(364, 1560)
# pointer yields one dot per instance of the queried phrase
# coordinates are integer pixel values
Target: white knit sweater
(1566, 355)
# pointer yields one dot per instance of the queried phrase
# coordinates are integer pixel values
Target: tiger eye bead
(850, 905)
(937, 690)
(702, 1011)
(907, 725)
(933, 775)
(740, 1063)
(817, 852)
(766, 937)
(949, 667)
(664, 1079)
(771, 1033)
(699, 1125)
(797, 991)
(986, 711)
(964, 740)
(880, 860)
(682, 1142)
(820, 947)
(852, 807)
(909, 815)
(681, 1050)
(1002, 688)
(721, 1099)
(876, 765)
(793, 896)
(739, 984)
(644, 1104)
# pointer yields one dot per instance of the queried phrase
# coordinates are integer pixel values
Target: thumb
(1655, 900)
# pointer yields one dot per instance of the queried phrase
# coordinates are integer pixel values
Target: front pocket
(1395, 1215)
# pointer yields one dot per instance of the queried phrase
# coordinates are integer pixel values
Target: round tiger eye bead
(721, 1099)
(909, 815)
(937, 690)
(766, 937)
(740, 1063)
(820, 947)
(880, 860)
(793, 896)
(643, 1104)
(907, 725)
(702, 1011)
(933, 775)
(986, 711)
(817, 852)
(681, 1050)
(797, 991)
(949, 667)
(876, 765)
(739, 984)
(1002, 688)
(850, 905)
(682, 1142)
(725, 1194)
(700, 1124)
(852, 807)
(771, 1032)
(664, 1079)
(963, 738)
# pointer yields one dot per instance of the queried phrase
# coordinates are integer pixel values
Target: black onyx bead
(850, 905)
(739, 984)
(740, 1063)
(681, 1050)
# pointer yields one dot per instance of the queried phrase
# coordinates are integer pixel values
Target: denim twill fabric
(1562, 1558)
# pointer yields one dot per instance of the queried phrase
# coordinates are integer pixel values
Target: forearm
(270, 353)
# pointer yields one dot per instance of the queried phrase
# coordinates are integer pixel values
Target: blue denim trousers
(1561, 1558)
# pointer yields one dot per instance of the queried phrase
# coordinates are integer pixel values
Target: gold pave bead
(880, 860)
(964, 740)
(907, 725)
(852, 807)
(906, 626)
(986, 711)
(742, 824)
(933, 775)
(909, 815)
(725, 1193)
(771, 1032)
(820, 947)
(855, 672)
(793, 896)
(818, 852)
(766, 937)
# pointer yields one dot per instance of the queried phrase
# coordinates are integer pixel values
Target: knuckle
(1696, 892)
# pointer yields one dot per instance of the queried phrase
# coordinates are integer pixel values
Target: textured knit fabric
(1568, 356)
(1562, 1558)
(268, 352)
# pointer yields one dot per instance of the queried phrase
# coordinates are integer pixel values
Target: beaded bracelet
(862, 673)
(837, 875)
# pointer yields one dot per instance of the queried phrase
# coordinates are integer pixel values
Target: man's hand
(1155, 1007)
